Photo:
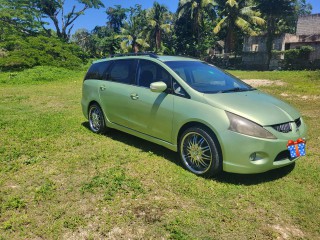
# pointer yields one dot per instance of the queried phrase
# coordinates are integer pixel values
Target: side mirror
(158, 87)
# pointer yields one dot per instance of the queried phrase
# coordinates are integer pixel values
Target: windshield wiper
(234, 90)
(237, 89)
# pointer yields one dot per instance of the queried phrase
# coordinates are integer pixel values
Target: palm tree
(132, 34)
(196, 10)
(158, 18)
(236, 15)
(275, 11)
(132, 37)
(116, 15)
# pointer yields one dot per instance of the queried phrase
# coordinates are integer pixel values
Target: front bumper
(246, 154)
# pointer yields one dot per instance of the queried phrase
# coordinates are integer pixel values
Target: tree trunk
(270, 38)
(230, 42)
(135, 47)
(158, 40)
(196, 25)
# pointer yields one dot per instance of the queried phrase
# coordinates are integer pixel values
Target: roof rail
(150, 54)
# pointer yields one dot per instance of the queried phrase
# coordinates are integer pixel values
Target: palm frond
(220, 24)
(258, 20)
(244, 26)
(206, 3)
(193, 7)
(232, 3)
(183, 2)
(166, 27)
(123, 30)
(247, 11)
(152, 23)
(142, 42)
(124, 46)
(183, 6)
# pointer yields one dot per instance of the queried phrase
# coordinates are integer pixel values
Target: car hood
(255, 106)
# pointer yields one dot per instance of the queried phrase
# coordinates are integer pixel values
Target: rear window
(98, 71)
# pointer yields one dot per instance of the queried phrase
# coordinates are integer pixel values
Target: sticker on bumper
(297, 148)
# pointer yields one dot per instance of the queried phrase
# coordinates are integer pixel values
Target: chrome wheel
(96, 119)
(196, 152)
(200, 152)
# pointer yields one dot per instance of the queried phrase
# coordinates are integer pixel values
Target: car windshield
(207, 78)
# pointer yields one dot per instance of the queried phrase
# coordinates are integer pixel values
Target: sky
(98, 17)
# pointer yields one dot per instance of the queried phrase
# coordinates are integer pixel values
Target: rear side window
(123, 71)
(97, 71)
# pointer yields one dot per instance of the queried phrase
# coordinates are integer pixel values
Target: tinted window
(123, 71)
(97, 71)
(149, 72)
(178, 90)
(206, 78)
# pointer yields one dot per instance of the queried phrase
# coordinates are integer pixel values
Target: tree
(17, 18)
(52, 9)
(132, 34)
(275, 12)
(83, 38)
(105, 41)
(159, 22)
(116, 16)
(301, 8)
(195, 10)
(237, 16)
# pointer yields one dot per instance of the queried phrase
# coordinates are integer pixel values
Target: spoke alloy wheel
(196, 153)
(96, 118)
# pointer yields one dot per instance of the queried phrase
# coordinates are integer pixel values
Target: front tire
(200, 152)
(96, 119)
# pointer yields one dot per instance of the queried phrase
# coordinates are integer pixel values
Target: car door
(115, 91)
(151, 113)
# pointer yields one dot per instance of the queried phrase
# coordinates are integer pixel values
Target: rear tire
(96, 119)
(200, 152)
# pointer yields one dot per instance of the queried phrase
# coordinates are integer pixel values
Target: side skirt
(143, 136)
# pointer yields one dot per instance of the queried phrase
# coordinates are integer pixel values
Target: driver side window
(149, 72)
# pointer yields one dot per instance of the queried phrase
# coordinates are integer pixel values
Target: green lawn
(60, 181)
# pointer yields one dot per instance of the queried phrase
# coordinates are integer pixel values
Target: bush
(297, 59)
(28, 52)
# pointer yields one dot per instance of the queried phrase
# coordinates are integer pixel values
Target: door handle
(134, 96)
(102, 88)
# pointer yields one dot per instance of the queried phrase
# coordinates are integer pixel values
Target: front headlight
(247, 127)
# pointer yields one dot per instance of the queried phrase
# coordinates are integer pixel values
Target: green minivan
(213, 120)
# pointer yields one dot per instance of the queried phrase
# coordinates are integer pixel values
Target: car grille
(298, 122)
(286, 127)
(283, 127)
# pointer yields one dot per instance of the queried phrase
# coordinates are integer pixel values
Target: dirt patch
(300, 97)
(287, 232)
(126, 233)
(263, 82)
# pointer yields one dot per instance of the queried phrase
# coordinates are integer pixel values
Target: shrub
(33, 51)
(297, 59)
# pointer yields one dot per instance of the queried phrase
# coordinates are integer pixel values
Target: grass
(59, 180)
